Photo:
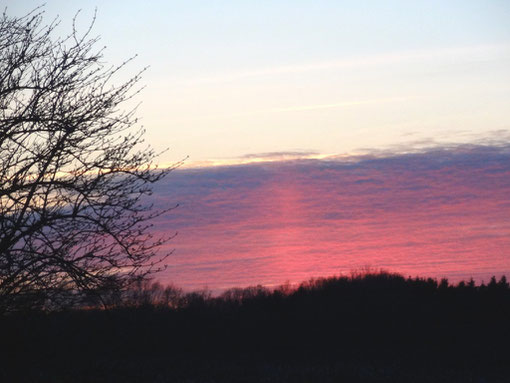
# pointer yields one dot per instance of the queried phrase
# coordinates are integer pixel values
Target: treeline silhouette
(368, 327)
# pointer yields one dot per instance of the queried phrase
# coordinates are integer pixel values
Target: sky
(320, 137)
(229, 79)
(442, 213)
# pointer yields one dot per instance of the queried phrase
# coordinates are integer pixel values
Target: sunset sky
(350, 133)
(231, 78)
(439, 213)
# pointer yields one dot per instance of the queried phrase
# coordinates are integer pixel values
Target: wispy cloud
(282, 155)
(258, 158)
(344, 104)
(475, 53)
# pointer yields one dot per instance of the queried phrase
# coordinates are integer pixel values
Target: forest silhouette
(367, 327)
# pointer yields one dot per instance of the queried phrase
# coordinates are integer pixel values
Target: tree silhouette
(73, 172)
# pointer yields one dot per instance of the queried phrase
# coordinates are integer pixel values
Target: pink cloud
(445, 212)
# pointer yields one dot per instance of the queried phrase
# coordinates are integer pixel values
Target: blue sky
(231, 78)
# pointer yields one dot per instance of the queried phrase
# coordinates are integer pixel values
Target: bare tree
(73, 171)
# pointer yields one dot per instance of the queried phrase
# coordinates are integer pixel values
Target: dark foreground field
(366, 328)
